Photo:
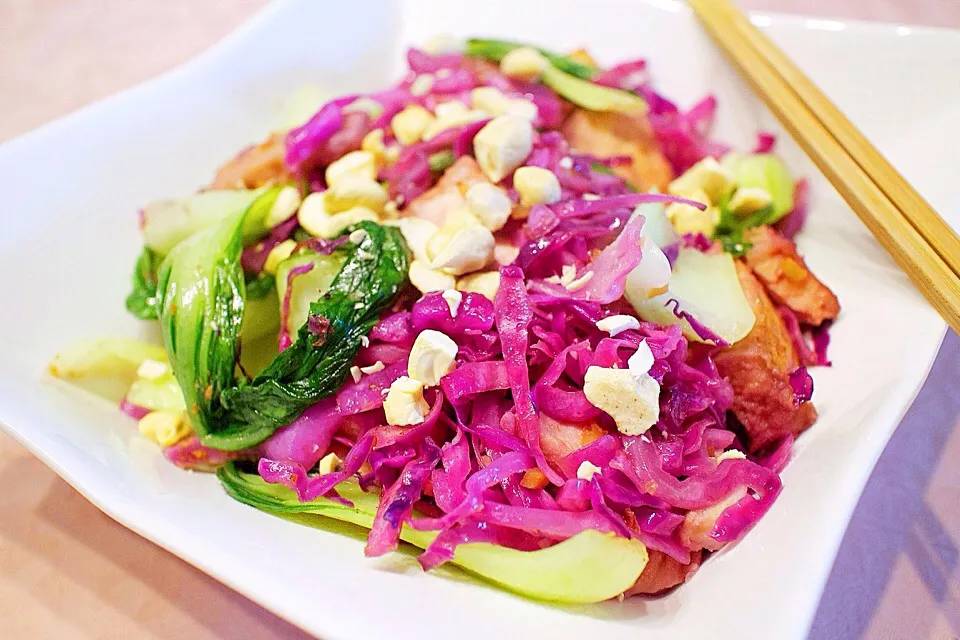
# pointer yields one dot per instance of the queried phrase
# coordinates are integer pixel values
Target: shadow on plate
(894, 520)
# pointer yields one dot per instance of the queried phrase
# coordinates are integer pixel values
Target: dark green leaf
(316, 364)
(496, 49)
(735, 246)
(142, 299)
(731, 227)
(259, 286)
(440, 160)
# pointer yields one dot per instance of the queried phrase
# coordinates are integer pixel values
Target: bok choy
(591, 566)
(202, 300)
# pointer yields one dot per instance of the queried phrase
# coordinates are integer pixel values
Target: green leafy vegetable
(157, 395)
(589, 567)
(569, 78)
(318, 361)
(201, 308)
(203, 302)
(259, 286)
(734, 245)
(304, 287)
(167, 222)
(440, 160)
(730, 229)
(255, 215)
(496, 49)
(300, 234)
(142, 299)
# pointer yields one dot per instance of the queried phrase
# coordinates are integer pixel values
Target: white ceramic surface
(69, 239)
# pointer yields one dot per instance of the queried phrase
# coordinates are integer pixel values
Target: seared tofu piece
(448, 194)
(558, 439)
(662, 573)
(774, 259)
(617, 134)
(699, 523)
(263, 162)
(254, 166)
(758, 368)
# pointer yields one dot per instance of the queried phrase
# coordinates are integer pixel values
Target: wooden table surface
(67, 571)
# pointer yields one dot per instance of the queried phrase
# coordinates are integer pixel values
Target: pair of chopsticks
(918, 240)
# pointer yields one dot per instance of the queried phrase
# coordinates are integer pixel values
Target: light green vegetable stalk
(706, 286)
(590, 96)
(495, 50)
(589, 567)
(566, 76)
(168, 222)
(304, 288)
(768, 172)
(104, 366)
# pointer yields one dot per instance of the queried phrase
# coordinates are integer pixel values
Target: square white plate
(68, 239)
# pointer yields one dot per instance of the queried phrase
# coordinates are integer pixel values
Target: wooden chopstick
(918, 258)
(910, 203)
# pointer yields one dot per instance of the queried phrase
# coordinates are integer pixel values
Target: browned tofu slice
(663, 572)
(447, 195)
(254, 166)
(774, 259)
(262, 163)
(558, 440)
(616, 134)
(758, 368)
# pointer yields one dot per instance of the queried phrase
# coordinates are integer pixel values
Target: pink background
(67, 571)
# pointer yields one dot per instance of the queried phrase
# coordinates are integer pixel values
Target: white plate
(69, 238)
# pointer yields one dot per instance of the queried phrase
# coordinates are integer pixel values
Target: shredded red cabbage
(683, 137)
(511, 451)
(423, 62)
(253, 257)
(135, 411)
(514, 314)
(306, 439)
(805, 353)
(702, 330)
(626, 75)
(765, 142)
(821, 340)
(474, 314)
(304, 141)
(802, 384)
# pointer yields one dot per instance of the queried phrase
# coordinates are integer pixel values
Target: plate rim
(138, 519)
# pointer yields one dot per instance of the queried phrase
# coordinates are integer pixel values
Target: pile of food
(518, 310)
